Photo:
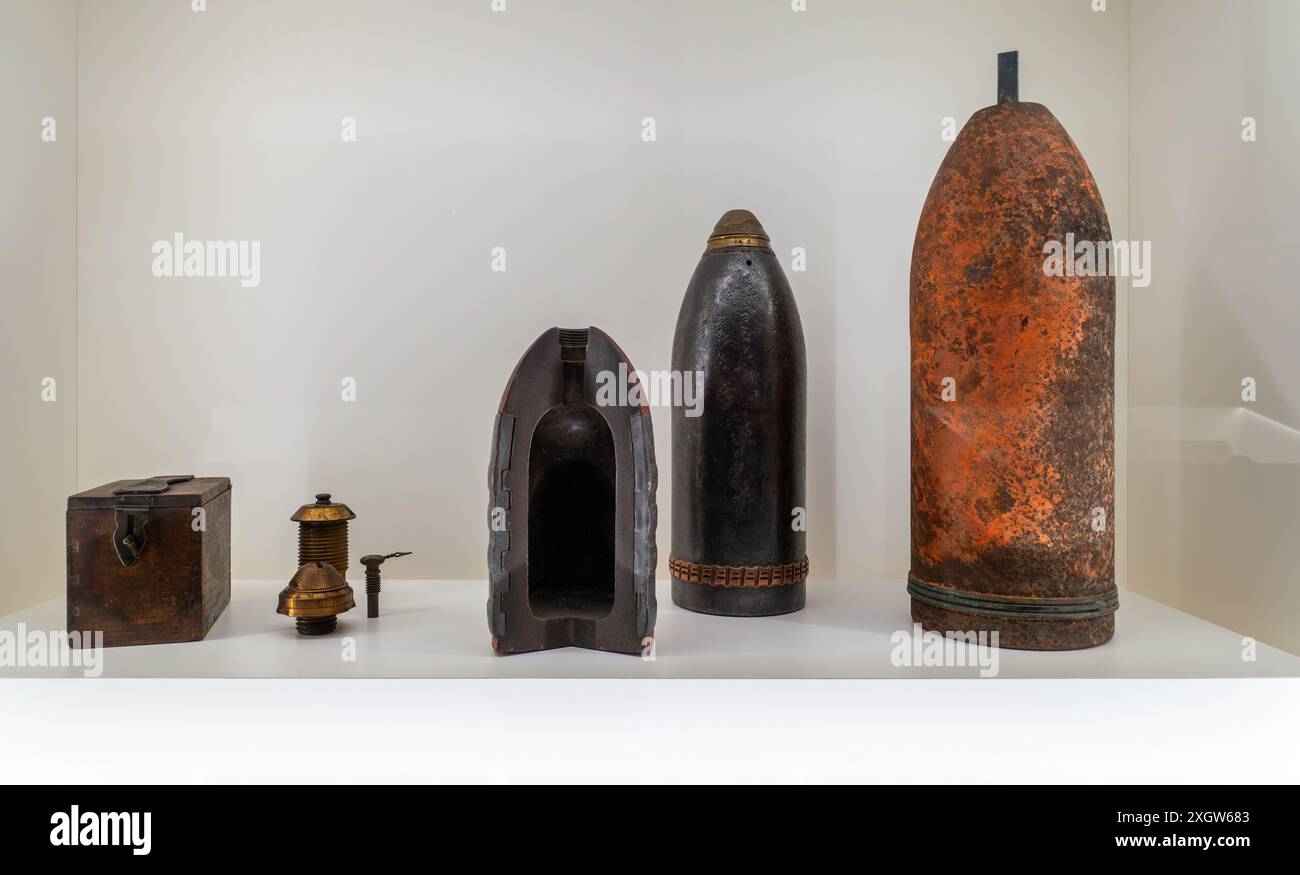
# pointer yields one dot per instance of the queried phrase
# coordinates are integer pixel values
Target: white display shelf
(438, 629)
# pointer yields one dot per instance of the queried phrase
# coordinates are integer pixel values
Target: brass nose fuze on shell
(738, 228)
(1013, 479)
(738, 543)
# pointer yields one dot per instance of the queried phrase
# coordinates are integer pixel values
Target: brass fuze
(323, 532)
(315, 597)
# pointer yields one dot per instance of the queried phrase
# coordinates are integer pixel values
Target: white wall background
(518, 129)
(38, 293)
(1214, 486)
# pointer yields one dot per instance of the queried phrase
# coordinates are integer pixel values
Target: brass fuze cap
(323, 511)
(315, 597)
(739, 228)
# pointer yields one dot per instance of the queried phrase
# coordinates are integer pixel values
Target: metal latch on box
(131, 515)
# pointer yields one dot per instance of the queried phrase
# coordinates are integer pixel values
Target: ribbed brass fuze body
(315, 597)
(323, 532)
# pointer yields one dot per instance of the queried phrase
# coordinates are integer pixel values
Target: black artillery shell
(738, 542)
(1013, 478)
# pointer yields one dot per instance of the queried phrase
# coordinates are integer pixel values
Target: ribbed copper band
(738, 575)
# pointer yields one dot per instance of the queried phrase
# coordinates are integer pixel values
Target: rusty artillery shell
(1013, 475)
(738, 466)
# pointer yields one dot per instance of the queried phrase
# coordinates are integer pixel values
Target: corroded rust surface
(1006, 475)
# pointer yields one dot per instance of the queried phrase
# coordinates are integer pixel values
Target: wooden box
(149, 560)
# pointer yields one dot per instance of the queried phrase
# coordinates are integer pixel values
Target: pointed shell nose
(738, 228)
